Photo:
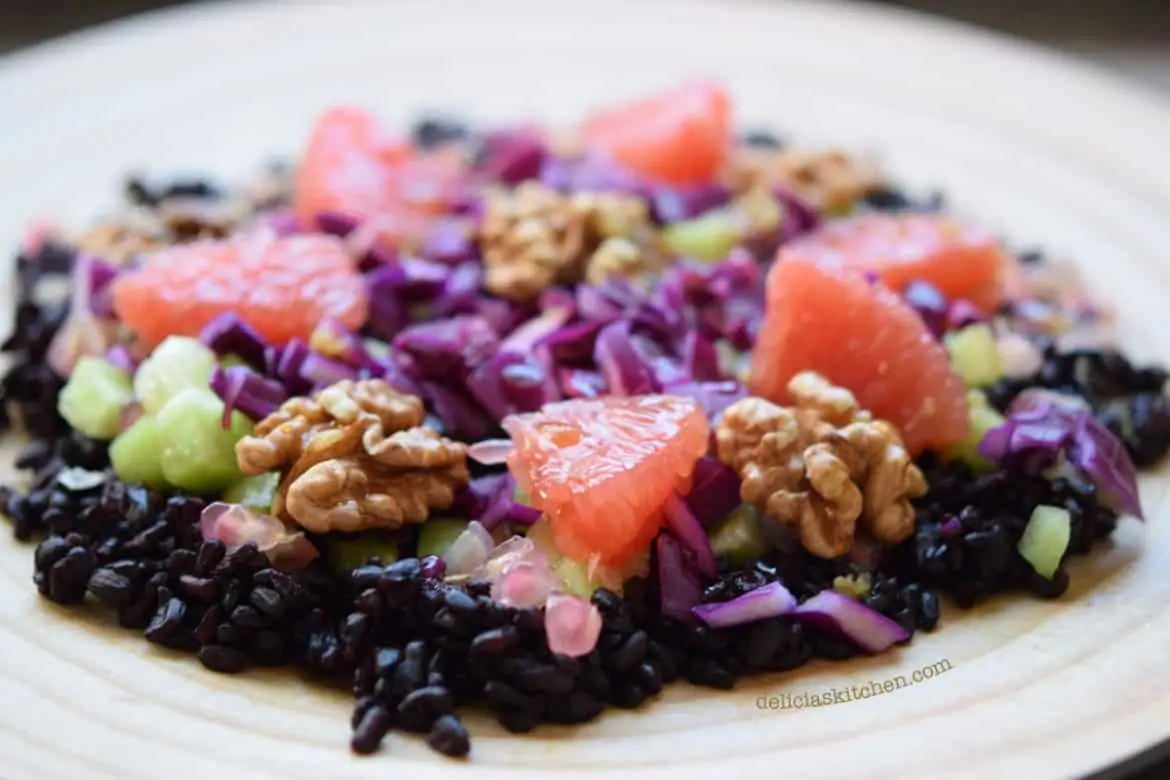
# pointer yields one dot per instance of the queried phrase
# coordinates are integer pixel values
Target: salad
(545, 420)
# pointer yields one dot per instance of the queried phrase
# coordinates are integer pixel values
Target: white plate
(1049, 151)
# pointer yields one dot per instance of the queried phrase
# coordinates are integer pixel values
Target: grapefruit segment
(862, 337)
(681, 136)
(602, 469)
(282, 287)
(352, 167)
(960, 260)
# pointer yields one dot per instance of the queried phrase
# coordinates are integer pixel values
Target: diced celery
(981, 418)
(855, 586)
(520, 497)
(708, 237)
(379, 350)
(227, 361)
(540, 533)
(572, 577)
(94, 395)
(175, 365)
(975, 355)
(738, 536)
(437, 534)
(345, 555)
(1045, 539)
(136, 454)
(255, 492)
(199, 455)
(729, 357)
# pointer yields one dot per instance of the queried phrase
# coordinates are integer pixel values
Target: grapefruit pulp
(681, 136)
(353, 168)
(960, 260)
(282, 287)
(601, 469)
(862, 337)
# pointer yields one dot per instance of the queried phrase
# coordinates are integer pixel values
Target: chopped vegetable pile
(547, 419)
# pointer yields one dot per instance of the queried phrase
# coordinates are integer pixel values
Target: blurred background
(1130, 36)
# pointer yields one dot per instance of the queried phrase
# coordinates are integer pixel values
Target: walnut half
(823, 466)
(828, 180)
(355, 456)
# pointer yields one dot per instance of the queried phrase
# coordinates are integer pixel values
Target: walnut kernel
(354, 457)
(823, 466)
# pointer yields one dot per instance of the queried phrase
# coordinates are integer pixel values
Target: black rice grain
(449, 737)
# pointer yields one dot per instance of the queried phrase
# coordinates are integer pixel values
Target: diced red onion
(239, 387)
(470, 550)
(227, 334)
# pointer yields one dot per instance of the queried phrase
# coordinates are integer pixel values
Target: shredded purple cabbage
(767, 601)
(686, 527)
(1042, 426)
(869, 629)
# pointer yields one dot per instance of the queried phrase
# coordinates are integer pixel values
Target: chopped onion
(239, 387)
(870, 630)
(766, 601)
(227, 334)
(470, 550)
